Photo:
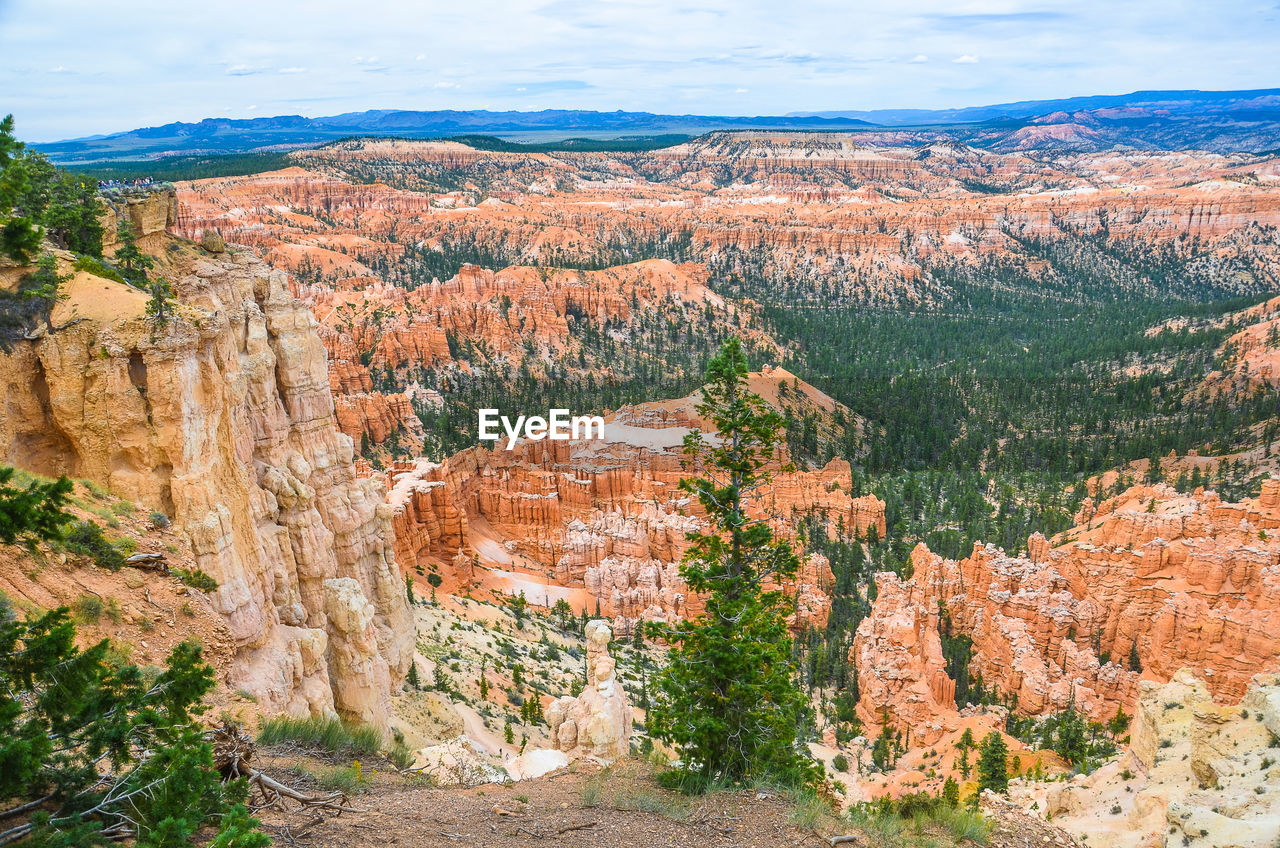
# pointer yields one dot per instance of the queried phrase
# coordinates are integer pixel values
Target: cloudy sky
(80, 67)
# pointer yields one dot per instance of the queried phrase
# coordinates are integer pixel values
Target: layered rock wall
(222, 419)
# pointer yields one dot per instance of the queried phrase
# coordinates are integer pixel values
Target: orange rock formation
(1188, 580)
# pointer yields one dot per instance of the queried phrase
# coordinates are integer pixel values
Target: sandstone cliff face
(1191, 581)
(222, 419)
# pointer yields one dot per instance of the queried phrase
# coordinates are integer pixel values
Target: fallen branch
(840, 840)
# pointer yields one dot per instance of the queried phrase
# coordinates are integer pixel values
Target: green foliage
(329, 735)
(95, 267)
(728, 698)
(39, 200)
(993, 765)
(1070, 734)
(920, 819)
(87, 539)
(196, 578)
(34, 511)
(129, 258)
(840, 762)
(102, 751)
(160, 304)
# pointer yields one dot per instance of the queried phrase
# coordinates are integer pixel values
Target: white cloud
(655, 55)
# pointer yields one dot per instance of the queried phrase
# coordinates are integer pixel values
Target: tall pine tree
(729, 698)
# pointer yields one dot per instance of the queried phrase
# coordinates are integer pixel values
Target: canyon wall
(1173, 581)
(221, 419)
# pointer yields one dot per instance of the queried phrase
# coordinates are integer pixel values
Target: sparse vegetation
(330, 736)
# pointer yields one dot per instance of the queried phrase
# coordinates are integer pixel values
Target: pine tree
(408, 589)
(33, 512)
(412, 678)
(20, 231)
(951, 793)
(98, 750)
(508, 734)
(131, 261)
(728, 697)
(160, 304)
(993, 764)
(1135, 662)
(484, 681)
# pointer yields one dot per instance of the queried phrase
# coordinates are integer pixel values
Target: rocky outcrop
(222, 419)
(597, 722)
(1174, 581)
(377, 416)
(901, 672)
(1198, 773)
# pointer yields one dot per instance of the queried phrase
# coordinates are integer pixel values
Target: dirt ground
(622, 806)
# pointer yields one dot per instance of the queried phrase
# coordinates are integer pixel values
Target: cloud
(546, 86)
(642, 55)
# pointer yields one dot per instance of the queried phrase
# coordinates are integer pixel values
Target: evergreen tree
(993, 764)
(951, 793)
(92, 751)
(32, 512)
(728, 698)
(160, 304)
(412, 678)
(131, 261)
(1135, 662)
(19, 223)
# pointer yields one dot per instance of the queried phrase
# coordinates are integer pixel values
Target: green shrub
(87, 609)
(196, 579)
(95, 267)
(840, 762)
(159, 519)
(325, 734)
(87, 539)
(349, 780)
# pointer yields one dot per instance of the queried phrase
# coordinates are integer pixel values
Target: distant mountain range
(1214, 120)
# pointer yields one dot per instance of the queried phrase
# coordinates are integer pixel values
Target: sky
(71, 68)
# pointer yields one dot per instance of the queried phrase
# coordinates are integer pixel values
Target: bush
(325, 734)
(196, 579)
(840, 762)
(105, 750)
(159, 520)
(95, 267)
(87, 539)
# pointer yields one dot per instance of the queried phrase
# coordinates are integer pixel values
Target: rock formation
(1172, 580)
(222, 420)
(606, 515)
(597, 722)
(1198, 773)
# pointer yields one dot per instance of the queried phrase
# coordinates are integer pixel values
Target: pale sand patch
(99, 300)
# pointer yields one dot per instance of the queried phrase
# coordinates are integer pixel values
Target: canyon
(604, 517)
(304, 420)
